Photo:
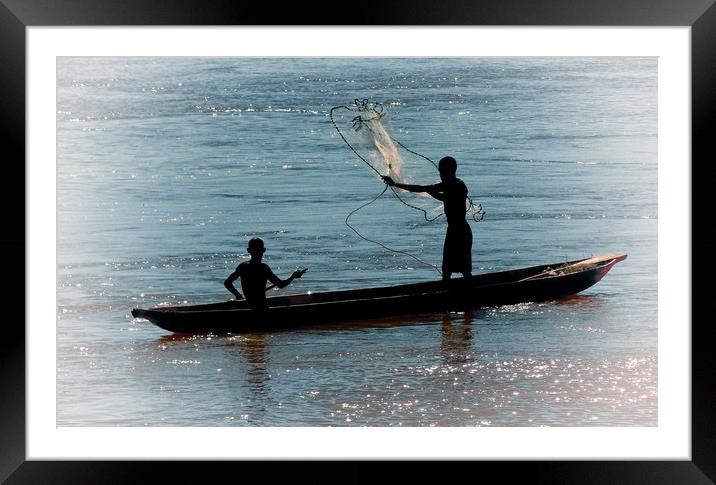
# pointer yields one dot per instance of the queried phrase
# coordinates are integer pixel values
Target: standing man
(457, 251)
(254, 274)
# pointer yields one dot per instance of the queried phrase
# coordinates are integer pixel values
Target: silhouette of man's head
(256, 247)
(448, 168)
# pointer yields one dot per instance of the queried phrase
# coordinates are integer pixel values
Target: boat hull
(526, 285)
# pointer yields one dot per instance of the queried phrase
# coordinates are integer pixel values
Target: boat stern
(605, 269)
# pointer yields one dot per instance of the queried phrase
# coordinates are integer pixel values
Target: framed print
(159, 158)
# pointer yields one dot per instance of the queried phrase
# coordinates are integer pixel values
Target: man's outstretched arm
(433, 190)
(229, 284)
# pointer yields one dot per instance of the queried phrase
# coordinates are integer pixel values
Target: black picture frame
(700, 15)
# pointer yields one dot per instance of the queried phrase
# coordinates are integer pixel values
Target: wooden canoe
(536, 283)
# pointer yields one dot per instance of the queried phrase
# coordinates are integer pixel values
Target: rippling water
(167, 166)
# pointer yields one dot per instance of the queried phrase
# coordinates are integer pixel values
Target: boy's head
(447, 167)
(256, 247)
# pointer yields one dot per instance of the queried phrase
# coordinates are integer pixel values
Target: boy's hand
(299, 272)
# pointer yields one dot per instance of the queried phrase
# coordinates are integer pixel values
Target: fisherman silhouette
(254, 274)
(457, 250)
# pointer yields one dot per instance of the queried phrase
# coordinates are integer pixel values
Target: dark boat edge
(536, 283)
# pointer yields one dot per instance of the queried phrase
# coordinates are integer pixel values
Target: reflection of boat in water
(537, 283)
(457, 333)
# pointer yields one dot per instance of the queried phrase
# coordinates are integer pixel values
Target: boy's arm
(279, 283)
(229, 284)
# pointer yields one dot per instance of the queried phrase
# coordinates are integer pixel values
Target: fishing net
(366, 129)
